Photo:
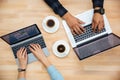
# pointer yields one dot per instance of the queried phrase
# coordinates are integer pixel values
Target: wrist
(21, 74)
(46, 63)
(21, 70)
(96, 8)
(99, 10)
(22, 67)
(66, 16)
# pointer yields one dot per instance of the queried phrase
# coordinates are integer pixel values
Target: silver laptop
(23, 38)
(91, 43)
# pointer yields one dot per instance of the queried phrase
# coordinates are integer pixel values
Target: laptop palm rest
(97, 46)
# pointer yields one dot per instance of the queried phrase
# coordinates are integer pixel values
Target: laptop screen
(21, 34)
(97, 46)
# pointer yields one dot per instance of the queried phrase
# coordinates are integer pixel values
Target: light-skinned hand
(74, 23)
(22, 58)
(97, 22)
(37, 51)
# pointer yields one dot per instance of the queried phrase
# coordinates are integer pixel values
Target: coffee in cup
(50, 23)
(61, 48)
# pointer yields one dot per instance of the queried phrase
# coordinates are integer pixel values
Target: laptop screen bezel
(2, 37)
(78, 55)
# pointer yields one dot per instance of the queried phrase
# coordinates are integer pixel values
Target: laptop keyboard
(38, 40)
(87, 34)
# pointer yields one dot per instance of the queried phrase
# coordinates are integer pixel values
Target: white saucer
(55, 51)
(54, 28)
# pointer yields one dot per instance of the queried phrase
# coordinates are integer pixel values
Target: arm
(53, 72)
(57, 7)
(98, 3)
(21, 78)
(73, 22)
(22, 58)
(98, 21)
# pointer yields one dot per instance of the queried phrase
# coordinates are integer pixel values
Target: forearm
(53, 72)
(98, 3)
(21, 75)
(46, 63)
(43, 59)
(67, 16)
(57, 7)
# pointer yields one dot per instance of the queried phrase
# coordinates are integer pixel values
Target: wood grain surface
(17, 14)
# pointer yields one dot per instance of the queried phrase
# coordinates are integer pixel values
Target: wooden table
(17, 14)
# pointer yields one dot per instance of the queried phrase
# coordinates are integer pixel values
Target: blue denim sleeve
(54, 73)
(98, 3)
(21, 79)
(56, 7)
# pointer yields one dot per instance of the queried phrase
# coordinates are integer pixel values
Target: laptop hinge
(92, 40)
